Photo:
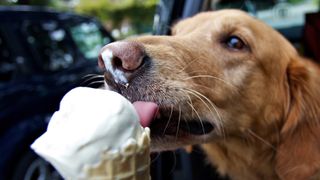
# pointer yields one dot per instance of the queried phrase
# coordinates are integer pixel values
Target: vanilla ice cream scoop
(88, 122)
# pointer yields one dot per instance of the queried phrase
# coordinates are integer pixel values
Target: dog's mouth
(167, 121)
(164, 120)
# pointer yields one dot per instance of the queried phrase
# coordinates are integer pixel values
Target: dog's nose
(121, 59)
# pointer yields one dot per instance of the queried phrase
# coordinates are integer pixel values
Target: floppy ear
(298, 154)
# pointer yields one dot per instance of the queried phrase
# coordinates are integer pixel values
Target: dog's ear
(298, 154)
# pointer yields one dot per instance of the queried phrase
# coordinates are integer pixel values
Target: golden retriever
(231, 83)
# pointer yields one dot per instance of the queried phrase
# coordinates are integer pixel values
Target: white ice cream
(88, 122)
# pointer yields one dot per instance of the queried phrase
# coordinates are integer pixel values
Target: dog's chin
(169, 143)
(171, 134)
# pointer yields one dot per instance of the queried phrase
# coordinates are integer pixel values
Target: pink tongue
(146, 112)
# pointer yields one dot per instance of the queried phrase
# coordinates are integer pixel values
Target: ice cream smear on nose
(89, 123)
(118, 74)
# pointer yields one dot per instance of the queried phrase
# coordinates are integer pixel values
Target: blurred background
(48, 47)
(123, 17)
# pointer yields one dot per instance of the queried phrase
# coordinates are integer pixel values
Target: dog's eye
(235, 42)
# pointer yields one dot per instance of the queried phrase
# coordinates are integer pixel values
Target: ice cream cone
(132, 162)
(96, 135)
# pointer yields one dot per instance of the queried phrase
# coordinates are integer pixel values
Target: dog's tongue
(146, 111)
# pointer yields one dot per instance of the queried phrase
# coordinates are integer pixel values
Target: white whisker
(185, 67)
(261, 139)
(200, 96)
(96, 82)
(168, 122)
(178, 126)
(197, 96)
(193, 109)
(92, 76)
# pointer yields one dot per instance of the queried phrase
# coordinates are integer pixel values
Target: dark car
(43, 54)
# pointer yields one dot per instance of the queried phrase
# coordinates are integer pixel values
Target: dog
(231, 83)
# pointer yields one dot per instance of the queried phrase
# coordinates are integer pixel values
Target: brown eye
(235, 42)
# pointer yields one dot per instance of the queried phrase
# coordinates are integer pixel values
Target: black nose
(121, 59)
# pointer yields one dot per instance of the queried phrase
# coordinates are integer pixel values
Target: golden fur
(263, 100)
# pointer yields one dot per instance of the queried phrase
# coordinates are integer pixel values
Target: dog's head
(219, 74)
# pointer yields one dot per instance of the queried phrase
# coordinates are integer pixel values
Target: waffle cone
(131, 162)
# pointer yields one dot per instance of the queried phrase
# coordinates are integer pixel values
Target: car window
(6, 62)
(279, 14)
(50, 42)
(89, 38)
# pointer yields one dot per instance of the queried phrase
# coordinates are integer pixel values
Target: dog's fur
(263, 99)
